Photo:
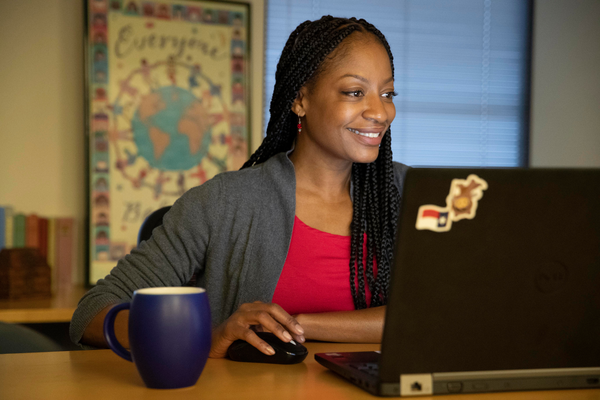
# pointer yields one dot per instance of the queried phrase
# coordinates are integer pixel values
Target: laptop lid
(495, 270)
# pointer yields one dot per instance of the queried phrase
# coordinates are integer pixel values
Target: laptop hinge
(416, 385)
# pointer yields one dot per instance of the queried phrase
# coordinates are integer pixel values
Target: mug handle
(109, 331)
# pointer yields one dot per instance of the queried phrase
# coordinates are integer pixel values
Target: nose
(376, 110)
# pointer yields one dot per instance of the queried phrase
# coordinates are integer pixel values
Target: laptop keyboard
(369, 368)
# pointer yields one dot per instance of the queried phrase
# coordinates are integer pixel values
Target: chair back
(152, 221)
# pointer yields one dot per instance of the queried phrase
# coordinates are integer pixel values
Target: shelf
(58, 308)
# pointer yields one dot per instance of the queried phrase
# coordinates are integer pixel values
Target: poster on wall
(167, 88)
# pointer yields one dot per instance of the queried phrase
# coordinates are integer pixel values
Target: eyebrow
(361, 78)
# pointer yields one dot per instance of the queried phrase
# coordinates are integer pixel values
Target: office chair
(20, 339)
(152, 221)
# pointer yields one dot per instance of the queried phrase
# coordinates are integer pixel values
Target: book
(77, 277)
(51, 258)
(43, 236)
(9, 224)
(2, 228)
(32, 235)
(19, 231)
(64, 228)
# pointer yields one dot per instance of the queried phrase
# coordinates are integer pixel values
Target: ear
(299, 103)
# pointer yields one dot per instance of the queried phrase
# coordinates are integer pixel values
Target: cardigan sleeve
(174, 253)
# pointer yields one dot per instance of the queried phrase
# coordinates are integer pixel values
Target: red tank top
(316, 274)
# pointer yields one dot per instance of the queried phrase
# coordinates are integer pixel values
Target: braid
(373, 234)
(388, 215)
(357, 240)
(374, 190)
(376, 200)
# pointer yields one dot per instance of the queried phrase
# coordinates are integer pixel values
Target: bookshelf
(56, 240)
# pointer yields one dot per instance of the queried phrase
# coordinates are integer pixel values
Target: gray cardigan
(233, 231)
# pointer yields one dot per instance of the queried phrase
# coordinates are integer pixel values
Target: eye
(354, 93)
(390, 95)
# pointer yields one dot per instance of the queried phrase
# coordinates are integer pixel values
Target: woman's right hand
(251, 317)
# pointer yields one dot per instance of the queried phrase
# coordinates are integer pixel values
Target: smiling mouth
(366, 134)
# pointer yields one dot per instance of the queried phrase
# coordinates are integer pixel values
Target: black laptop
(495, 286)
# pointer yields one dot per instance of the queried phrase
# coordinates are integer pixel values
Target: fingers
(251, 317)
(257, 342)
(235, 330)
(228, 332)
(275, 319)
(286, 320)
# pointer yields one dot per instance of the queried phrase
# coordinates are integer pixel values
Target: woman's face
(349, 107)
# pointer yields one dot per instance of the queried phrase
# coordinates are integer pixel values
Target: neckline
(321, 232)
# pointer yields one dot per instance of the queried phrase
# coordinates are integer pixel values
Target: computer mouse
(285, 353)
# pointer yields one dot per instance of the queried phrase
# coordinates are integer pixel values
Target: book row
(53, 237)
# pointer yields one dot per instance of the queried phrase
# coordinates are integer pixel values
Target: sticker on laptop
(461, 203)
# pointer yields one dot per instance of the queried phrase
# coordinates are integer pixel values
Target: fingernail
(287, 335)
(299, 330)
(270, 350)
(301, 339)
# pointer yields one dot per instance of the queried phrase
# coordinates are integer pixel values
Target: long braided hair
(375, 197)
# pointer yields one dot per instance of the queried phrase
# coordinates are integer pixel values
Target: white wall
(41, 106)
(565, 112)
(42, 166)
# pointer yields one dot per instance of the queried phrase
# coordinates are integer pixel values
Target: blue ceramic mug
(169, 335)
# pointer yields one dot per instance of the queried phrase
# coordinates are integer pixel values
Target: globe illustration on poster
(164, 135)
(171, 129)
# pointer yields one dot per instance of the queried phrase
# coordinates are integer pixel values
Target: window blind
(461, 73)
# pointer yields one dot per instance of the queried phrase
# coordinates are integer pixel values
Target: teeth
(370, 135)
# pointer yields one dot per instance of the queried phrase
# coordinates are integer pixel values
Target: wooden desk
(100, 374)
(59, 308)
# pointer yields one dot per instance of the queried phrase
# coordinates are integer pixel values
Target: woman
(308, 222)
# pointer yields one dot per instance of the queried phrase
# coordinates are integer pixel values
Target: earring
(299, 125)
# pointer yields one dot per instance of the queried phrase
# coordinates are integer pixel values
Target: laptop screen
(495, 269)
